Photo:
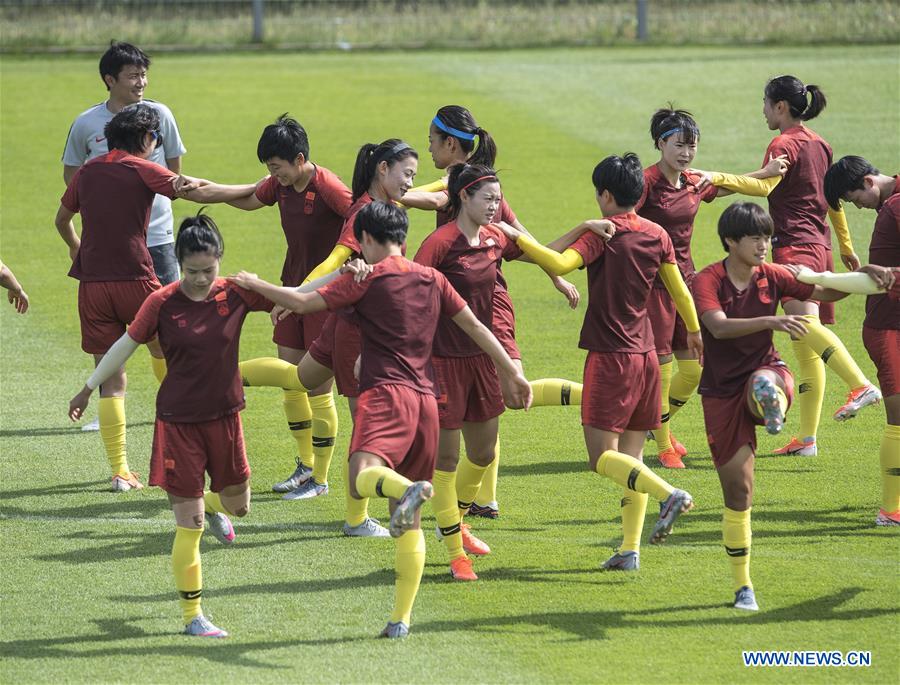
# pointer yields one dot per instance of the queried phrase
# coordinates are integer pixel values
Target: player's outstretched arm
(854, 283)
(112, 361)
(66, 230)
(289, 298)
(758, 183)
(562, 285)
(201, 191)
(548, 259)
(339, 255)
(721, 327)
(17, 297)
(845, 244)
(684, 304)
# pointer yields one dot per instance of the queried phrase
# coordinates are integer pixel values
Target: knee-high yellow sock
(112, 431)
(158, 364)
(324, 433)
(270, 372)
(833, 352)
(357, 510)
(632, 474)
(684, 384)
(299, 420)
(663, 441)
(890, 468)
(810, 388)
(487, 493)
(446, 511)
(410, 563)
(736, 535)
(468, 482)
(212, 503)
(380, 481)
(634, 507)
(187, 571)
(553, 392)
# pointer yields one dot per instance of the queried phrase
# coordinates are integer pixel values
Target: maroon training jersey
(620, 276)
(883, 311)
(347, 238)
(397, 308)
(674, 209)
(200, 342)
(311, 220)
(472, 271)
(727, 364)
(114, 193)
(797, 204)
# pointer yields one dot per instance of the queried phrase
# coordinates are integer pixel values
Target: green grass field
(87, 593)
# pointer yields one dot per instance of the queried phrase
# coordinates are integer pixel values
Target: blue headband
(456, 133)
(670, 132)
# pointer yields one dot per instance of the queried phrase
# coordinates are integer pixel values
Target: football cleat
(677, 446)
(745, 599)
(220, 526)
(622, 561)
(92, 426)
(126, 483)
(471, 544)
(404, 516)
(766, 394)
(488, 511)
(300, 475)
(461, 569)
(670, 509)
(203, 627)
(394, 631)
(856, 400)
(803, 448)
(370, 528)
(670, 459)
(308, 490)
(888, 518)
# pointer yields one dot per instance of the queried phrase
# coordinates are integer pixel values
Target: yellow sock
(634, 506)
(410, 564)
(810, 388)
(159, 367)
(324, 432)
(112, 431)
(380, 481)
(188, 574)
(468, 481)
(212, 503)
(299, 419)
(833, 352)
(663, 441)
(684, 384)
(736, 535)
(270, 372)
(553, 392)
(357, 510)
(446, 511)
(782, 402)
(890, 468)
(487, 493)
(632, 474)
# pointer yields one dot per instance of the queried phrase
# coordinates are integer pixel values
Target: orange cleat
(803, 448)
(471, 544)
(461, 569)
(862, 397)
(670, 459)
(677, 446)
(888, 518)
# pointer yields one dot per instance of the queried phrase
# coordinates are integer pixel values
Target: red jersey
(311, 220)
(727, 364)
(200, 342)
(674, 209)
(472, 271)
(797, 204)
(347, 238)
(114, 193)
(883, 311)
(620, 276)
(397, 309)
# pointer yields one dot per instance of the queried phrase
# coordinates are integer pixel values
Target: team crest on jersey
(763, 286)
(310, 202)
(221, 299)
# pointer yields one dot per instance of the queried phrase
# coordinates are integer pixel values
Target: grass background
(87, 593)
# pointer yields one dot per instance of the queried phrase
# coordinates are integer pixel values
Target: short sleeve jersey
(311, 220)
(675, 210)
(797, 204)
(114, 193)
(472, 271)
(87, 140)
(347, 238)
(398, 308)
(883, 311)
(727, 364)
(620, 276)
(200, 342)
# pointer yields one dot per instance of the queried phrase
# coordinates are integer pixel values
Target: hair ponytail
(460, 119)
(804, 102)
(817, 103)
(370, 156)
(198, 234)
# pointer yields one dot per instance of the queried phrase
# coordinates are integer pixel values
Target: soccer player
(114, 193)
(395, 434)
(16, 294)
(313, 203)
(619, 339)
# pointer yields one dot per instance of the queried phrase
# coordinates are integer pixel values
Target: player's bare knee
(198, 520)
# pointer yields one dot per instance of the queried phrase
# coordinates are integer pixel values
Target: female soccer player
(395, 434)
(114, 193)
(16, 293)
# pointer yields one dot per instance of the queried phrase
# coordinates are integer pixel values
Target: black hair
(794, 93)
(622, 176)
(744, 219)
(845, 175)
(371, 155)
(127, 129)
(465, 176)
(121, 55)
(198, 234)
(385, 222)
(286, 139)
(669, 121)
(461, 119)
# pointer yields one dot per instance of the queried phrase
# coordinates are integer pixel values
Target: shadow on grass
(70, 431)
(88, 486)
(544, 468)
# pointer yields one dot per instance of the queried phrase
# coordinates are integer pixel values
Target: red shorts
(470, 390)
(621, 391)
(183, 451)
(883, 346)
(669, 331)
(337, 347)
(729, 422)
(816, 257)
(400, 425)
(298, 332)
(106, 308)
(503, 323)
